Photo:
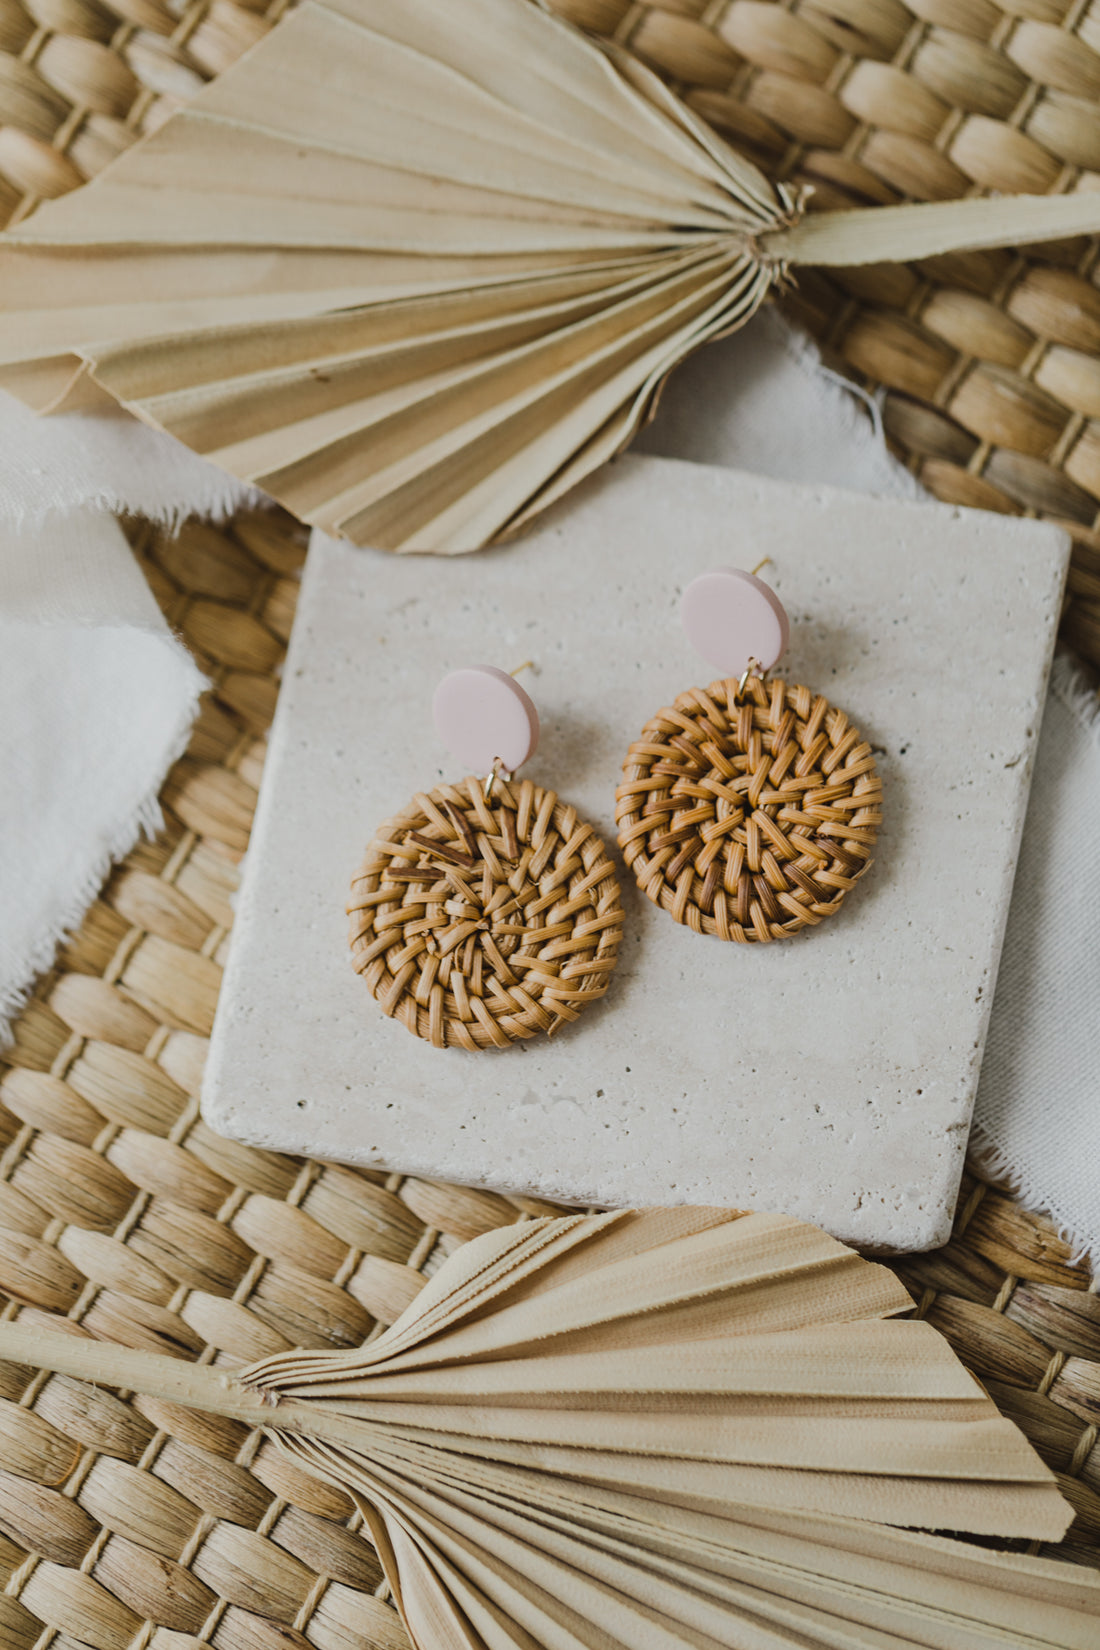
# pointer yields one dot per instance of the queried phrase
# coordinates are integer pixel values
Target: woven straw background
(123, 1523)
(991, 361)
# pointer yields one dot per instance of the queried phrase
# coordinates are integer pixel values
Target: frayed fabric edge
(1070, 685)
(216, 502)
(146, 819)
(1081, 699)
(989, 1157)
(842, 396)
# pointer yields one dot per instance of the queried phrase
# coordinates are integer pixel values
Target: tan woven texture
(125, 1523)
(749, 813)
(480, 920)
(991, 361)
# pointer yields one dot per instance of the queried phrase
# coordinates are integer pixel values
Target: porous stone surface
(831, 1075)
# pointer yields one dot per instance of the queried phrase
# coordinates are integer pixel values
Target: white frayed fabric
(761, 400)
(104, 461)
(97, 696)
(1037, 1119)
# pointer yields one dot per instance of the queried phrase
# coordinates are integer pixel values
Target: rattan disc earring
(747, 809)
(487, 911)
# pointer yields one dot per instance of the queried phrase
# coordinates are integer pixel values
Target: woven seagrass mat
(990, 361)
(125, 1523)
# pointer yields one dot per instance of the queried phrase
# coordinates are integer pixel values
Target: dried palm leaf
(654, 1430)
(415, 269)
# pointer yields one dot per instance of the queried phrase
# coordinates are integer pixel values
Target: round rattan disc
(480, 922)
(751, 816)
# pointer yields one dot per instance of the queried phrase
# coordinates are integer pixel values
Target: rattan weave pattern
(486, 913)
(990, 361)
(748, 810)
(125, 1523)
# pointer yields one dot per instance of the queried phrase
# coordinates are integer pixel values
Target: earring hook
(489, 782)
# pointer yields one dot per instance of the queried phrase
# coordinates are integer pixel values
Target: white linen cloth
(96, 698)
(103, 462)
(1037, 1119)
(96, 694)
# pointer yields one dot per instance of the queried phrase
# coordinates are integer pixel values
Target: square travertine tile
(832, 1075)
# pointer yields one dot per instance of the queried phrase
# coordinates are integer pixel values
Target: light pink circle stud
(486, 719)
(731, 617)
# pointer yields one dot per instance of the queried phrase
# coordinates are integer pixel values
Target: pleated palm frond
(655, 1430)
(416, 268)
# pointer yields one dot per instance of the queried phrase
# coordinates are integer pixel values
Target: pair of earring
(488, 911)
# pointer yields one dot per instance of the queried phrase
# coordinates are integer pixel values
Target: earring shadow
(823, 656)
(588, 750)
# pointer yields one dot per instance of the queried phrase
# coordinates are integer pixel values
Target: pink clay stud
(486, 719)
(731, 617)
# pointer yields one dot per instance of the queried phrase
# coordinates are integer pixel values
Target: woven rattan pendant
(659, 1430)
(487, 912)
(748, 809)
(416, 268)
